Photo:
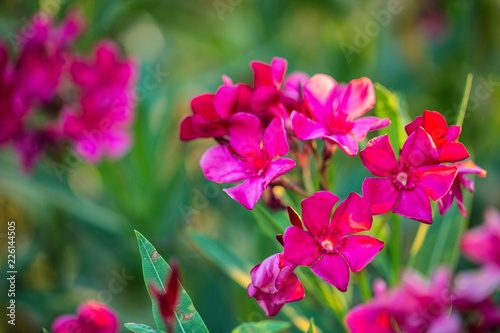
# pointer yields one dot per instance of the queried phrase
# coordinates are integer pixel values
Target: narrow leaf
(141, 328)
(312, 328)
(265, 326)
(155, 270)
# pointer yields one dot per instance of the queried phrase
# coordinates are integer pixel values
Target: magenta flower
(266, 99)
(251, 156)
(292, 92)
(445, 137)
(405, 187)
(335, 110)
(274, 283)
(328, 245)
(212, 112)
(99, 126)
(464, 168)
(92, 317)
(414, 307)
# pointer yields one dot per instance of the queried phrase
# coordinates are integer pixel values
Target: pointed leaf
(155, 270)
(312, 327)
(265, 326)
(141, 328)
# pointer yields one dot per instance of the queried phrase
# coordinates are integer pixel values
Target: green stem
(396, 248)
(418, 241)
(465, 100)
(364, 284)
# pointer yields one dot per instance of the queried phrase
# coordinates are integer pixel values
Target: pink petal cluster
(252, 154)
(274, 283)
(406, 186)
(329, 244)
(49, 98)
(91, 317)
(416, 306)
(334, 110)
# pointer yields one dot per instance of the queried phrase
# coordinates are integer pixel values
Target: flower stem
(396, 248)
(465, 100)
(364, 284)
(292, 186)
(418, 241)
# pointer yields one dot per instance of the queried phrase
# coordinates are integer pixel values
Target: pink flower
(99, 126)
(167, 300)
(266, 99)
(328, 245)
(414, 307)
(445, 137)
(335, 109)
(274, 283)
(405, 187)
(212, 112)
(464, 168)
(92, 317)
(251, 155)
(481, 244)
(292, 92)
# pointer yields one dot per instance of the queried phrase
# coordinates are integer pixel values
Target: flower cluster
(92, 317)
(440, 305)
(50, 97)
(255, 126)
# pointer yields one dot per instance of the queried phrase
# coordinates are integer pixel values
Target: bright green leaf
(155, 270)
(265, 326)
(141, 328)
(312, 328)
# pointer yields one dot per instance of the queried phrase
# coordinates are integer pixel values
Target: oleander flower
(168, 299)
(335, 109)
(405, 187)
(91, 317)
(292, 92)
(455, 192)
(252, 155)
(444, 137)
(329, 245)
(99, 125)
(416, 306)
(212, 112)
(274, 284)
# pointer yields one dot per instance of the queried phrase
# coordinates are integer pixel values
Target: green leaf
(141, 328)
(155, 270)
(312, 328)
(465, 100)
(265, 326)
(45, 331)
(388, 105)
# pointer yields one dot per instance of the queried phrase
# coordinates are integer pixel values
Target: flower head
(335, 109)
(329, 245)
(91, 317)
(274, 283)
(252, 155)
(444, 137)
(405, 186)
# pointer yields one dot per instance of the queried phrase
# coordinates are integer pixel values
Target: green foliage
(156, 270)
(141, 328)
(265, 326)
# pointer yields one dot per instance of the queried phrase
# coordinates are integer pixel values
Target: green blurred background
(75, 227)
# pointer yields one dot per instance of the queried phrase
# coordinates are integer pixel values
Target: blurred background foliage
(75, 226)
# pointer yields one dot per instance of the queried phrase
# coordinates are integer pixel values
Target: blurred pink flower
(464, 168)
(168, 299)
(328, 245)
(405, 187)
(212, 112)
(444, 137)
(99, 126)
(416, 306)
(274, 283)
(292, 92)
(335, 110)
(92, 317)
(251, 155)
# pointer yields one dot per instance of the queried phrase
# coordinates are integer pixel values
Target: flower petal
(277, 168)
(300, 247)
(415, 205)
(436, 180)
(263, 97)
(274, 141)
(248, 192)
(220, 165)
(316, 211)
(367, 124)
(412, 127)
(333, 269)
(292, 290)
(378, 157)
(359, 98)
(305, 128)
(453, 133)
(345, 142)
(369, 318)
(264, 274)
(203, 105)
(360, 250)
(245, 134)
(226, 100)
(352, 215)
(453, 152)
(381, 194)
(319, 93)
(419, 149)
(193, 127)
(278, 70)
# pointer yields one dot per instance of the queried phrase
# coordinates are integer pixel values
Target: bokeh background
(75, 234)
